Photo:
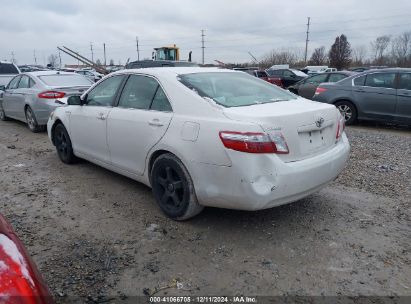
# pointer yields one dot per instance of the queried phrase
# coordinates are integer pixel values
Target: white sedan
(204, 137)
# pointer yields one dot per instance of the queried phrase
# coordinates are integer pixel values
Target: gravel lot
(98, 235)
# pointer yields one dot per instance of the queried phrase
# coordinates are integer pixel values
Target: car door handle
(101, 116)
(155, 122)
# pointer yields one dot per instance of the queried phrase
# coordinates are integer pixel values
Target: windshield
(234, 89)
(65, 80)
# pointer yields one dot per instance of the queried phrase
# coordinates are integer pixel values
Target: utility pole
(138, 49)
(105, 60)
(92, 53)
(59, 59)
(35, 58)
(306, 40)
(202, 43)
(13, 60)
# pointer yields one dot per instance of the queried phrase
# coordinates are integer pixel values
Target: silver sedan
(31, 97)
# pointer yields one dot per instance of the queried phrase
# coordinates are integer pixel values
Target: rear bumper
(255, 182)
(42, 111)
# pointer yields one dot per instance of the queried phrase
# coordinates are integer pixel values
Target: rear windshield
(234, 89)
(65, 80)
(8, 68)
(299, 73)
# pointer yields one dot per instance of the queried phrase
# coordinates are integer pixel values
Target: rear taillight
(255, 142)
(51, 95)
(319, 90)
(340, 126)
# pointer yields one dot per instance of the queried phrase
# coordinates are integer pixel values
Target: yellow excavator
(171, 53)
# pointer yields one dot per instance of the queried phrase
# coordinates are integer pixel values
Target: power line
(306, 40)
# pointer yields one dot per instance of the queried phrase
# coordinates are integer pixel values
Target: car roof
(174, 71)
(45, 73)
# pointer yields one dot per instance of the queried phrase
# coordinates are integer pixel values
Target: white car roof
(44, 73)
(173, 71)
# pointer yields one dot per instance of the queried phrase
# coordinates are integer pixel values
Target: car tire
(173, 188)
(3, 116)
(63, 145)
(348, 111)
(32, 121)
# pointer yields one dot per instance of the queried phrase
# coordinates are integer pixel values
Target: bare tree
(379, 46)
(359, 53)
(318, 57)
(285, 56)
(401, 49)
(340, 53)
(98, 62)
(52, 60)
(111, 62)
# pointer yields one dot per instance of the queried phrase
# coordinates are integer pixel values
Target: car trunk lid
(308, 127)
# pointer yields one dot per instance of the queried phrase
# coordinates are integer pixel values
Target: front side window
(138, 93)
(336, 77)
(8, 68)
(275, 72)
(381, 80)
(405, 82)
(317, 79)
(288, 73)
(105, 92)
(13, 83)
(24, 82)
(234, 89)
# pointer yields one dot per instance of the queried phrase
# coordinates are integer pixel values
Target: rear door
(307, 89)
(138, 122)
(288, 78)
(9, 99)
(88, 123)
(403, 111)
(377, 99)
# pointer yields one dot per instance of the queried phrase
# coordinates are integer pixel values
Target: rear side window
(13, 83)
(160, 101)
(8, 68)
(380, 80)
(359, 81)
(138, 93)
(65, 80)
(336, 77)
(24, 82)
(405, 82)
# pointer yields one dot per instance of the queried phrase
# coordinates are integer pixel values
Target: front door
(403, 112)
(307, 89)
(9, 99)
(88, 123)
(138, 122)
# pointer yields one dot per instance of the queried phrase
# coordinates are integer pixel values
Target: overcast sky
(232, 27)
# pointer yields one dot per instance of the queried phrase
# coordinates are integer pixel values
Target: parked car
(7, 71)
(20, 281)
(306, 87)
(381, 95)
(287, 76)
(90, 74)
(264, 76)
(203, 137)
(31, 97)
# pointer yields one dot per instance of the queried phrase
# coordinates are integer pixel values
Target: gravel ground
(100, 236)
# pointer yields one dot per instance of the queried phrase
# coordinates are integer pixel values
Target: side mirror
(75, 101)
(2, 87)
